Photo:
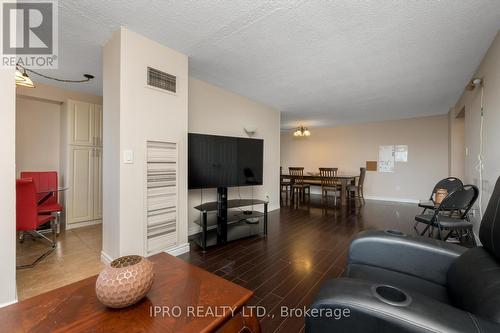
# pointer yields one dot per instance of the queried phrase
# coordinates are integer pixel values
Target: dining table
(314, 179)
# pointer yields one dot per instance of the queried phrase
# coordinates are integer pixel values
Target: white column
(7, 186)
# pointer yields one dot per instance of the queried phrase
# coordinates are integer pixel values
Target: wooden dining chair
(285, 186)
(329, 183)
(356, 190)
(298, 186)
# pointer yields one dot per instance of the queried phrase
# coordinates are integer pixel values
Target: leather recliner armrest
(422, 257)
(360, 308)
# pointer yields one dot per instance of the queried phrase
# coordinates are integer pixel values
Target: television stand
(231, 222)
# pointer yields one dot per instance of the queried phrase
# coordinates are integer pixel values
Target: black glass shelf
(233, 216)
(233, 203)
(237, 230)
(232, 221)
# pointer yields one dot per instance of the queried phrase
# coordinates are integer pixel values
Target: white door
(81, 122)
(97, 183)
(98, 124)
(81, 164)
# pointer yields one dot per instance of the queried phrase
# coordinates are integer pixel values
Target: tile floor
(78, 256)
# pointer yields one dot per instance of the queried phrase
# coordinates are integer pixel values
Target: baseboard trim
(273, 206)
(76, 225)
(194, 229)
(105, 258)
(405, 200)
(178, 250)
(175, 251)
(8, 303)
(392, 199)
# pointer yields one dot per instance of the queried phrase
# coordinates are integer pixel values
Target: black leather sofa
(400, 283)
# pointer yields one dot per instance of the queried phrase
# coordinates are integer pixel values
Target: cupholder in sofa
(391, 295)
(395, 233)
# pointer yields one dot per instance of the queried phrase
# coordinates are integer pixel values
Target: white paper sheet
(401, 153)
(386, 159)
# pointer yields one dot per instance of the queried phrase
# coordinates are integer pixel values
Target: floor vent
(161, 230)
(162, 80)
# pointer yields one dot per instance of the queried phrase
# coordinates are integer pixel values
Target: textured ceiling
(321, 63)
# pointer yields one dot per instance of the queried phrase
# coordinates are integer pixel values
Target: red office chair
(46, 181)
(28, 219)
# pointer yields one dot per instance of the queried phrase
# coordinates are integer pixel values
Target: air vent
(162, 80)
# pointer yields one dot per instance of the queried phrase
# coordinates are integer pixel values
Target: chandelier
(301, 131)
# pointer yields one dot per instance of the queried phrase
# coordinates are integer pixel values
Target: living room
(233, 152)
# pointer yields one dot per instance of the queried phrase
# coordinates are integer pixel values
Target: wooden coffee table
(196, 301)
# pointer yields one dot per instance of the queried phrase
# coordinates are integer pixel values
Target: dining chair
(285, 185)
(28, 219)
(452, 213)
(45, 182)
(298, 186)
(329, 183)
(356, 190)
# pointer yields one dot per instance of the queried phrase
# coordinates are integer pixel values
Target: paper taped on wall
(386, 159)
(401, 153)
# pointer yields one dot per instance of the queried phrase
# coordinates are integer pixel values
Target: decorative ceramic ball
(125, 281)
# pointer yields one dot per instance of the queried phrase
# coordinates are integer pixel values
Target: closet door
(81, 164)
(97, 184)
(98, 125)
(81, 123)
(161, 206)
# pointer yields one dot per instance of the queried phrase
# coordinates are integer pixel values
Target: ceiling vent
(162, 80)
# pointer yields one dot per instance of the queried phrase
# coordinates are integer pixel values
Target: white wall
(349, 147)
(457, 144)
(112, 100)
(139, 113)
(489, 69)
(39, 125)
(8, 186)
(48, 93)
(38, 135)
(213, 110)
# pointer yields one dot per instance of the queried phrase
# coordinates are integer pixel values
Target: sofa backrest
(474, 278)
(474, 284)
(489, 232)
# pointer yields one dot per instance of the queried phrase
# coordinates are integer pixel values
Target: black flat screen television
(224, 161)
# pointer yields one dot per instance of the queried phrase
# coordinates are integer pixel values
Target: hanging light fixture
(301, 131)
(22, 78)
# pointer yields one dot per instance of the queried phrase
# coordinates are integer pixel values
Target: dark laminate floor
(304, 247)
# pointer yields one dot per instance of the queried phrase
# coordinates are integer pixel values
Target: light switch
(128, 156)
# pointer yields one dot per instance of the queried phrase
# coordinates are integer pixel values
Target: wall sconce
(301, 131)
(22, 78)
(474, 83)
(250, 130)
